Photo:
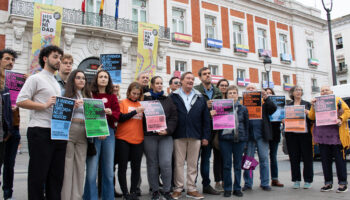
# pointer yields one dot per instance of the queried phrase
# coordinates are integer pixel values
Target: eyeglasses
(80, 78)
(223, 85)
(176, 82)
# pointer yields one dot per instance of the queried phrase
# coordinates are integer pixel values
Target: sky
(340, 7)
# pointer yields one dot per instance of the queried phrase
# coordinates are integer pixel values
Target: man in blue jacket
(192, 131)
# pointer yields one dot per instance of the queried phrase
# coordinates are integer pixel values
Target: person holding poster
(333, 141)
(129, 140)
(7, 59)
(46, 156)
(299, 145)
(74, 170)
(273, 146)
(261, 133)
(192, 132)
(159, 144)
(232, 143)
(223, 85)
(102, 88)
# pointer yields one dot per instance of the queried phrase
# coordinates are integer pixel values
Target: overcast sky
(340, 7)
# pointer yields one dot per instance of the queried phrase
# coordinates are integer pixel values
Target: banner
(95, 118)
(252, 100)
(61, 118)
(47, 22)
(295, 120)
(113, 64)
(14, 82)
(224, 118)
(326, 110)
(280, 102)
(147, 47)
(155, 116)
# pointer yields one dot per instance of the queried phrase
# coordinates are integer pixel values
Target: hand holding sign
(108, 111)
(50, 102)
(140, 109)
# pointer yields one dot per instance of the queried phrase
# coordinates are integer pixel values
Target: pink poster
(224, 118)
(14, 82)
(326, 111)
(155, 116)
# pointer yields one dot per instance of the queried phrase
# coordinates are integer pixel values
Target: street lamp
(267, 66)
(328, 8)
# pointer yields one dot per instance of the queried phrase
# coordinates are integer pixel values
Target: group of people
(69, 169)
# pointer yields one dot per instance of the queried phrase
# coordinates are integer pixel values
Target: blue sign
(113, 64)
(271, 85)
(61, 118)
(214, 43)
(279, 114)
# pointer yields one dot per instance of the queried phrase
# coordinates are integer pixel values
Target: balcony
(313, 62)
(76, 17)
(264, 53)
(181, 39)
(342, 69)
(213, 44)
(286, 58)
(315, 89)
(240, 49)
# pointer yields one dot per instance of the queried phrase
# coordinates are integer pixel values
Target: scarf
(156, 95)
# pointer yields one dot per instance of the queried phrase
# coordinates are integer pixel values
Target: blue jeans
(229, 148)
(263, 154)
(205, 164)
(273, 160)
(105, 149)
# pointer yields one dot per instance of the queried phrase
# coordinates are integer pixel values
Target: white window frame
(310, 47)
(139, 9)
(95, 8)
(213, 26)
(214, 69)
(178, 19)
(314, 82)
(283, 43)
(241, 72)
(177, 62)
(262, 38)
(286, 77)
(238, 34)
(44, 1)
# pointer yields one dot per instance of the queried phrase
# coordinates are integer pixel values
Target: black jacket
(169, 110)
(6, 112)
(268, 108)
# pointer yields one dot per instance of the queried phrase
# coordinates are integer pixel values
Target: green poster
(95, 118)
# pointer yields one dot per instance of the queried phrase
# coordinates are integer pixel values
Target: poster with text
(61, 118)
(14, 82)
(280, 102)
(295, 120)
(113, 64)
(326, 110)
(224, 118)
(95, 118)
(252, 100)
(155, 116)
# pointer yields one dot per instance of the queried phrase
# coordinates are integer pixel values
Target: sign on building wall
(147, 48)
(47, 23)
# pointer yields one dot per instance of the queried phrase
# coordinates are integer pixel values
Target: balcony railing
(342, 69)
(71, 16)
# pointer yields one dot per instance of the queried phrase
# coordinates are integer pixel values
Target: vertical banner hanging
(47, 24)
(147, 47)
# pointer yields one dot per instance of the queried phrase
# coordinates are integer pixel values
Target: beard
(53, 66)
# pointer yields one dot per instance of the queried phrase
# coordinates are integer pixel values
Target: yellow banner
(147, 47)
(47, 24)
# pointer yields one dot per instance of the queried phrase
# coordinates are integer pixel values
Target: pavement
(285, 193)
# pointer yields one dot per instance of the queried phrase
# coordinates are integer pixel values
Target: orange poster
(295, 120)
(252, 100)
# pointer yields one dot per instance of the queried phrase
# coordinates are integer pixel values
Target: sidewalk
(285, 193)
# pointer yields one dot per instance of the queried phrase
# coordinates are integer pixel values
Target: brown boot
(276, 183)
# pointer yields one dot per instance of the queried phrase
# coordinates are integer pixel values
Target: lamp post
(328, 8)
(267, 66)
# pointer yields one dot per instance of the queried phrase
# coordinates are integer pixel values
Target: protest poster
(295, 120)
(95, 118)
(280, 102)
(61, 118)
(155, 116)
(113, 64)
(14, 82)
(326, 110)
(252, 100)
(224, 118)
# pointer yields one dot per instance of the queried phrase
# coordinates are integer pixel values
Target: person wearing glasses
(174, 84)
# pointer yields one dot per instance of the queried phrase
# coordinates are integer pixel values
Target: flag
(243, 81)
(101, 7)
(116, 9)
(83, 6)
(215, 79)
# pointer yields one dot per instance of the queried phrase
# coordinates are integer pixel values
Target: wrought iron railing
(71, 16)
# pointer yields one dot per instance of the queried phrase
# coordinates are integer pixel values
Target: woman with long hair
(299, 145)
(223, 85)
(129, 139)
(159, 145)
(102, 88)
(74, 169)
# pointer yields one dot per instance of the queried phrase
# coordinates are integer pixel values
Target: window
(310, 49)
(341, 65)
(93, 6)
(139, 10)
(180, 66)
(178, 20)
(264, 76)
(283, 44)
(339, 42)
(286, 79)
(343, 82)
(210, 27)
(241, 73)
(238, 33)
(314, 82)
(49, 2)
(262, 39)
(214, 69)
